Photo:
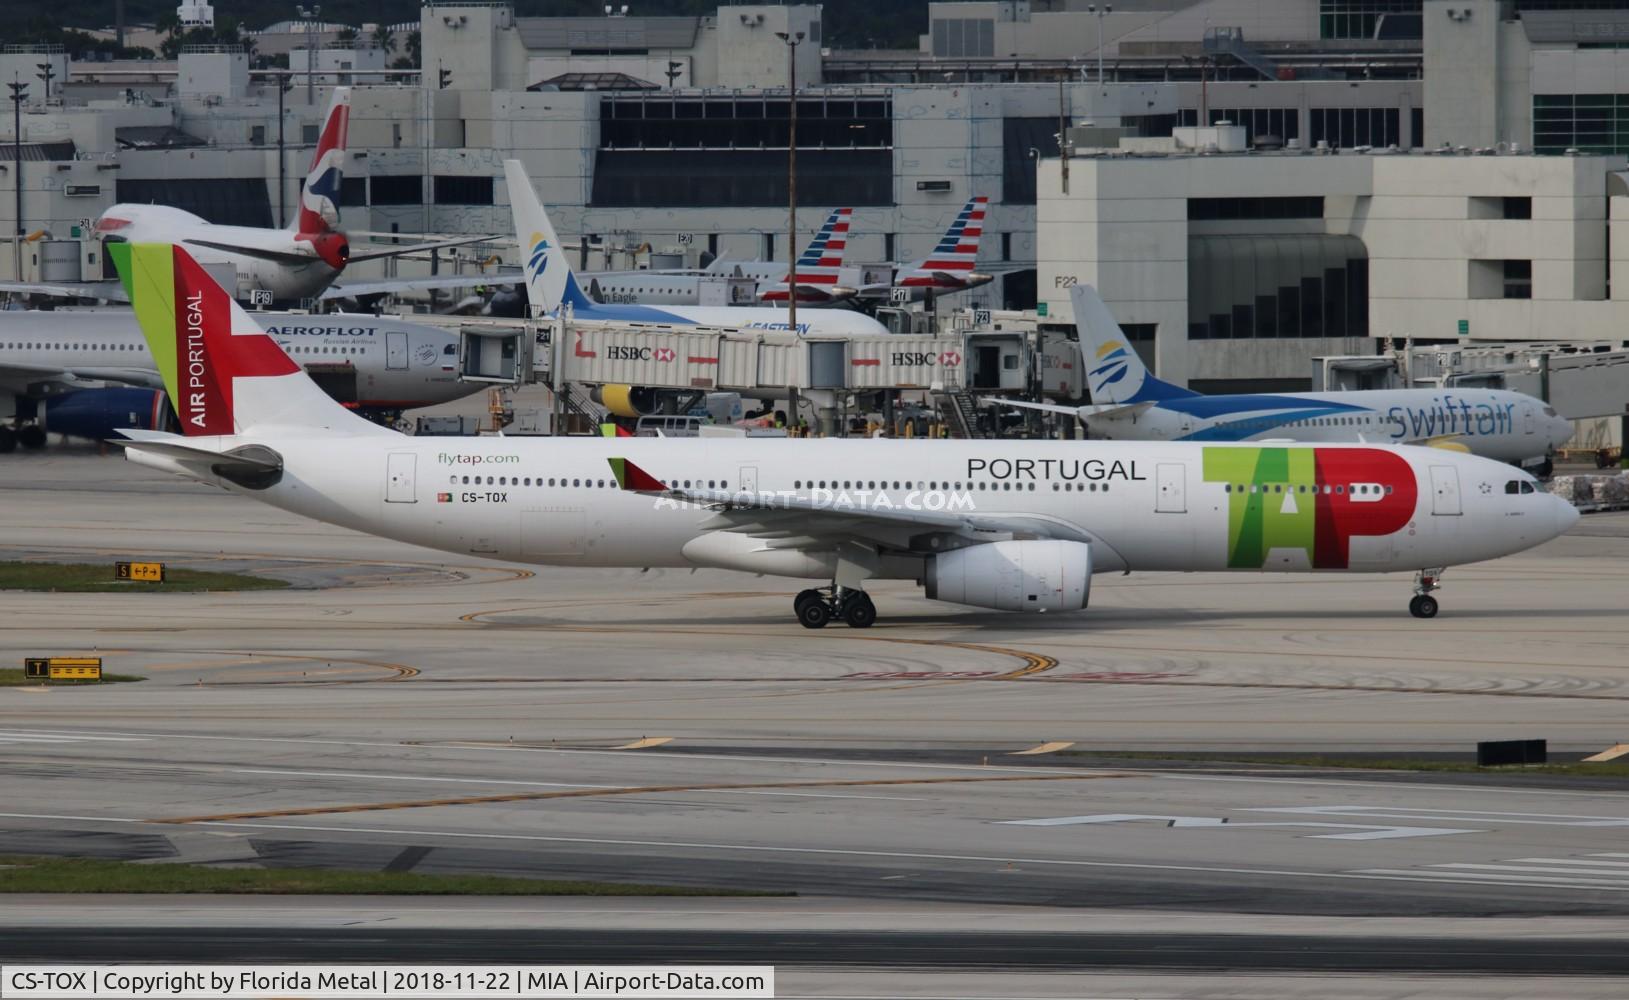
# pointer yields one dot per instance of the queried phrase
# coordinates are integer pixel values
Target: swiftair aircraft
(1130, 404)
(1010, 525)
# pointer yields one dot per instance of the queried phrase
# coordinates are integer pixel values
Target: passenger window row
(1357, 489)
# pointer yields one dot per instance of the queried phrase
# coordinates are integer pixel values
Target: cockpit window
(1527, 487)
(450, 349)
(1549, 411)
(1513, 487)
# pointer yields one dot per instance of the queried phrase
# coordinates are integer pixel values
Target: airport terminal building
(1350, 169)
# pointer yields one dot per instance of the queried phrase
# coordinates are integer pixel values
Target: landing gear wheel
(813, 614)
(31, 436)
(803, 598)
(1423, 606)
(8, 440)
(858, 611)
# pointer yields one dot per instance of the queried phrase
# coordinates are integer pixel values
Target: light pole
(792, 39)
(284, 85)
(310, 17)
(19, 94)
(1101, 12)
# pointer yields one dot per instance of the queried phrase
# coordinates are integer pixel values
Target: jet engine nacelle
(629, 400)
(100, 414)
(1014, 576)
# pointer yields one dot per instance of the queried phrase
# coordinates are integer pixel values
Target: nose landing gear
(815, 608)
(1424, 605)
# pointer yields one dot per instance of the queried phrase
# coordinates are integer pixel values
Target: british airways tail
(549, 280)
(223, 373)
(1114, 372)
(319, 196)
(952, 261)
(820, 263)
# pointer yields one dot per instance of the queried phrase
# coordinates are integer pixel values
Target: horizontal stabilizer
(417, 248)
(252, 458)
(276, 256)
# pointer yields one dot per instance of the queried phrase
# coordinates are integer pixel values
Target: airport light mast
(791, 39)
(19, 94)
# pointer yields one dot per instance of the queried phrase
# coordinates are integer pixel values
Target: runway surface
(402, 708)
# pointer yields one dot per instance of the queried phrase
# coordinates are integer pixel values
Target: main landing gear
(1424, 605)
(816, 607)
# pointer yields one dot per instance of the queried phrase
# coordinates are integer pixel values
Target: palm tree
(383, 38)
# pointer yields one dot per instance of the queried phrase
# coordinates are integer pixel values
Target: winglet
(634, 479)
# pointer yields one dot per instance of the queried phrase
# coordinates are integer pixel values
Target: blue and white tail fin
(319, 195)
(549, 280)
(1114, 372)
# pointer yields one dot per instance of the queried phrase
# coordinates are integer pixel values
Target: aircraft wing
(20, 376)
(1104, 411)
(417, 248)
(276, 256)
(386, 286)
(111, 291)
(782, 521)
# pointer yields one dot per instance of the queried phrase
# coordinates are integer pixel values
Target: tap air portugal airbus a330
(1130, 404)
(1009, 525)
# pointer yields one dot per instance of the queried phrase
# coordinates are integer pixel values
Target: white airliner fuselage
(1140, 506)
(396, 364)
(297, 266)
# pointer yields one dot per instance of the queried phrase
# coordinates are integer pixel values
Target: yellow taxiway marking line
(1610, 753)
(581, 793)
(1034, 663)
(1052, 747)
(645, 741)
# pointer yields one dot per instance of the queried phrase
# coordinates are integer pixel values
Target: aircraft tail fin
(1114, 371)
(820, 263)
(319, 195)
(223, 373)
(550, 282)
(957, 252)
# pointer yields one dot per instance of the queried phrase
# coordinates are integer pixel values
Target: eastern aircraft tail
(952, 261)
(319, 196)
(223, 373)
(820, 262)
(549, 281)
(1114, 372)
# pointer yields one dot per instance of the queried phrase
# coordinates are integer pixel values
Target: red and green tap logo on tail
(187, 319)
(1301, 498)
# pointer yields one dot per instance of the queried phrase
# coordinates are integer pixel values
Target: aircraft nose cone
(1564, 513)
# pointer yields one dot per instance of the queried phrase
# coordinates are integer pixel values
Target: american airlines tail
(319, 196)
(1114, 372)
(549, 281)
(820, 263)
(951, 263)
(225, 376)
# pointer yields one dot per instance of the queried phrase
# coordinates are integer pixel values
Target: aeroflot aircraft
(51, 364)
(1130, 404)
(1017, 527)
(551, 283)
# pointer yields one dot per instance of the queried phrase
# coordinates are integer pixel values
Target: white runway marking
(1450, 815)
(1367, 874)
(557, 784)
(1563, 872)
(1360, 831)
(21, 736)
